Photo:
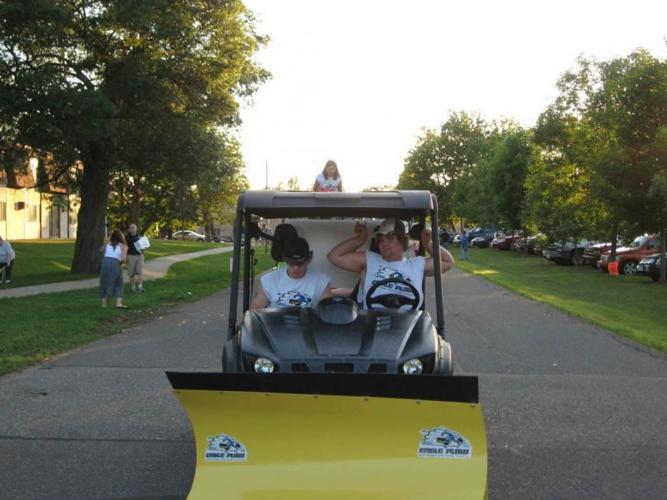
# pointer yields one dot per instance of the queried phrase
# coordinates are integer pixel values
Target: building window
(3, 211)
(32, 213)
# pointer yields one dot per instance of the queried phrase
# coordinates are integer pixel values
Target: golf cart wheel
(629, 268)
(445, 366)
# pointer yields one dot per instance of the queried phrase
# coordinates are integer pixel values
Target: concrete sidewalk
(153, 269)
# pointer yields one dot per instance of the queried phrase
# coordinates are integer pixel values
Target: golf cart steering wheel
(393, 300)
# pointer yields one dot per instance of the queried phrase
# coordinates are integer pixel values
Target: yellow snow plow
(306, 436)
(353, 398)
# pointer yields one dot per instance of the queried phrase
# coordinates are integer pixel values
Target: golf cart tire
(446, 367)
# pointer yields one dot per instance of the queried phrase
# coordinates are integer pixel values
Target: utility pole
(266, 174)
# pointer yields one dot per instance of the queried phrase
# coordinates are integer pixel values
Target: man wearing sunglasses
(392, 241)
(295, 285)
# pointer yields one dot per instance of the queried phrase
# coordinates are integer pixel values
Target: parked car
(504, 241)
(483, 241)
(650, 266)
(541, 244)
(628, 257)
(567, 252)
(529, 243)
(593, 253)
(188, 235)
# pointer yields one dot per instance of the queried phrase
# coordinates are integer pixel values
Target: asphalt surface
(571, 410)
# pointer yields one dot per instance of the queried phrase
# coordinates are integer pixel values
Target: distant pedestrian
(329, 179)
(111, 273)
(7, 256)
(465, 245)
(135, 259)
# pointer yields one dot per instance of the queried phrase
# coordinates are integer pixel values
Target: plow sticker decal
(224, 448)
(441, 442)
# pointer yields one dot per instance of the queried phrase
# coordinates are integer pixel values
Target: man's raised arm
(345, 256)
(446, 259)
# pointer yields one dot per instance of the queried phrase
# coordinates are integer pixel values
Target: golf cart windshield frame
(280, 204)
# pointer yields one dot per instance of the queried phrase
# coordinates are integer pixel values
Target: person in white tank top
(293, 286)
(392, 241)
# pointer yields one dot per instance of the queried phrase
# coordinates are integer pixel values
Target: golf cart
(337, 336)
(338, 400)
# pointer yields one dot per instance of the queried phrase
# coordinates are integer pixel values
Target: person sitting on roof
(392, 242)
(295, 285)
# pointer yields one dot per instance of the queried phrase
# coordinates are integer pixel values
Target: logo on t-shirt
(294, 299)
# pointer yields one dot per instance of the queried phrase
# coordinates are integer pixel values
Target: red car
(628, 257)
(504, 242)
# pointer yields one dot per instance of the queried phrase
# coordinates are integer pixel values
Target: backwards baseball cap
(388, 226)
(297, 249)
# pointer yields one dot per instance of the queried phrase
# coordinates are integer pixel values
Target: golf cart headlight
(412, 367)
(263, 365)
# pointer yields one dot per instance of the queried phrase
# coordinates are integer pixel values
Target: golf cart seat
(324, 234)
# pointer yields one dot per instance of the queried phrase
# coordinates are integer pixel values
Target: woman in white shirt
(111, 275)
(329, 179)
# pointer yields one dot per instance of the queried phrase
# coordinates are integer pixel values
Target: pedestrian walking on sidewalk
(111, 272)
(7, 256)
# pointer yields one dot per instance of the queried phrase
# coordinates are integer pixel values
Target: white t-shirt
(6, 251)
(327, 183)
(377, 269)
(283, 291)
(114, 253)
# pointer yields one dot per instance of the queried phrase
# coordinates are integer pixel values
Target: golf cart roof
(274, 204)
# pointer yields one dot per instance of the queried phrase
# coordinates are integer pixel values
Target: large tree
(122, 84)
(441, 158)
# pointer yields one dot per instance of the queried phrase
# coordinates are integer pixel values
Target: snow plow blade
(326, 436)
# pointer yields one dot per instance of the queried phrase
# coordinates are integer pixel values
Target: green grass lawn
(632, 306)
(36, 328)
(49, 261)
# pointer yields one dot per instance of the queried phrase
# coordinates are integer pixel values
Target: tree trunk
(135, 206)
(663, 255)
(614, 241)
(90, 232)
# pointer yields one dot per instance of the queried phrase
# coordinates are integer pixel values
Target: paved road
(571, 411)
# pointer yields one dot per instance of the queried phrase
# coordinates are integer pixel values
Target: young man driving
(392, 241)
(295, 285)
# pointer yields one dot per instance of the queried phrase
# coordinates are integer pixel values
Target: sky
(359, 81)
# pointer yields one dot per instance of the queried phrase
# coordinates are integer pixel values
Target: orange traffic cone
(613, 268)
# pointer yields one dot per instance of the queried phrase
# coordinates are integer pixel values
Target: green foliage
(139, 90)
(440, 160)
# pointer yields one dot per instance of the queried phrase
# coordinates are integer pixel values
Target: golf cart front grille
(377, 368)
(339, 367)
(382, 323)
(300, 368)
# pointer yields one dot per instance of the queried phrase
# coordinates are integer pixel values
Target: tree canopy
(133, 89)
